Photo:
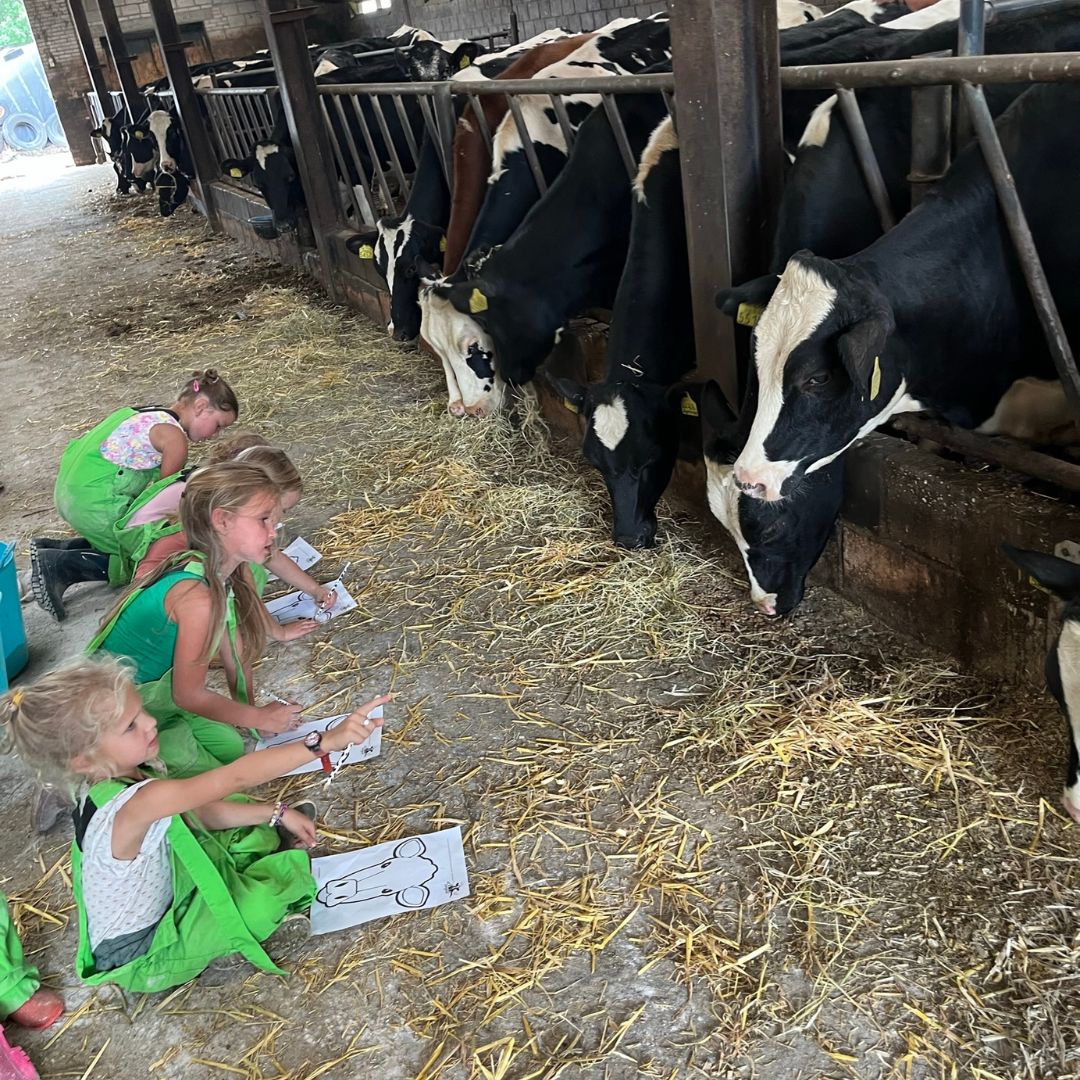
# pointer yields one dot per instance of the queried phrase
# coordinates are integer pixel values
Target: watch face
(312, 740)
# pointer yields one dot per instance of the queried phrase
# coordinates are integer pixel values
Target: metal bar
(114, 37)
(619, 134)
(563, 117)
(222, 122)
(376, 163)
(931, 123)
(998, 451)
(446, 122)
(89, 51)
(343, 168)
(619, 84)
(395, 161)
(986, 70)
(203, 161)
(481, 121)
(432, 126)
(1024, 243)
(527, 144)
(669, 104)
(868, 163)
(971, 28)
(406, 126)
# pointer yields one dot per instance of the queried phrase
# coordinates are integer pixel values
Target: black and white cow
(175, 168)
(111, 132)
(1062, 578)
(434, 60)
(634, 418)
(934, 315)
(627, 46)
(567, 256)
(138, 154)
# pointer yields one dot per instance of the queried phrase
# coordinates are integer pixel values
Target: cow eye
(819, 378)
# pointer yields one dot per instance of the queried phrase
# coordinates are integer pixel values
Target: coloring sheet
(371, 747)
(401, 875)
(298, 605)
(301, 553)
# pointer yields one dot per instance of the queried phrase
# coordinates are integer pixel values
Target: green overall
(142, 631)
(231, 890)
(92, 493)
(131, 544)
(18, 980)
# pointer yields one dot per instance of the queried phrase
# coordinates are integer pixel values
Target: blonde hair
(229, 485)
(64, 715)
(233, 445)
(277, 465)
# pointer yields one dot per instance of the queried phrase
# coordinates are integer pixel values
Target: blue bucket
(12, 630)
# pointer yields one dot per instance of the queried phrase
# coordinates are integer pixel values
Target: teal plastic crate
(12, 629)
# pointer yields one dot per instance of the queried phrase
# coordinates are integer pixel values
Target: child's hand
(324, 598)
(279, 717)
(291, 631)
(300, 826)
(356, 727)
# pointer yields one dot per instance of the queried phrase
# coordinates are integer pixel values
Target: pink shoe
(41, 1010)
(14, 1064)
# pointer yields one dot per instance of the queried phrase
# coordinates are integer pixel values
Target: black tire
(24, 132)
(55, 131)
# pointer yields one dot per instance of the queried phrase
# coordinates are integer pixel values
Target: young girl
(155, 513)
(167, 876)
(285, 474)
(104, 470)
(198, 603)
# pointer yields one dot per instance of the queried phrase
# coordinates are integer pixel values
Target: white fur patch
(723, 498)
(324, 67)
(610, 423)
(263, 152)
(660, 142)
(868, 9)
(160, 122)
(795, 13)
(942, 11)
(393, 242)
(801, 303)
(1035, 410)
(817, 127)
(1068, 651)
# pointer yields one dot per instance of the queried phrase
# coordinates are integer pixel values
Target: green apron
(224, 902)
(18, 980)
(92, 493)
(131, 544)
(189, 744)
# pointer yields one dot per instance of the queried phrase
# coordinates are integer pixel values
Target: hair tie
(17, 698)
(195, 386)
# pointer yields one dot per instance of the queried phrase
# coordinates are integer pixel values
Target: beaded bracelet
(280, 811)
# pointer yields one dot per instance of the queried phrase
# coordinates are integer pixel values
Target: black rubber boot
(41, 543)
(57, 569)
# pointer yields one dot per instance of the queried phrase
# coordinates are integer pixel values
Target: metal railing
(116, 100)
(238, 118)
(361, 118)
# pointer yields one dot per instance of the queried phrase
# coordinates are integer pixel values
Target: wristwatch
(313, 741)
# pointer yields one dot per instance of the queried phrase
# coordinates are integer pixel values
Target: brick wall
(472, 18)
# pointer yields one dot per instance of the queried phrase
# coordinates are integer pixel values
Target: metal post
(199, 147)
(94, 66)
(118, 53)
(931, 126)
(868, 163)
(728, 108)
(970, 41)
(284, 26)
(1034, 274)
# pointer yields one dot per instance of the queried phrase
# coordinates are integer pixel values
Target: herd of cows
(852, 326)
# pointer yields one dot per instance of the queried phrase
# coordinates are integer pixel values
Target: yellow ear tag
(748, 314)
(140, 135)
(442, 243)
(1040, 586)
(366, 252)
(568, 404)
(875, 379)
(236, 172)
(465, 62)
(477, 301)
(688, 406)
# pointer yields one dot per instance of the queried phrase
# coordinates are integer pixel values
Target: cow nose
(479, 409)
(766, 605)
(399, 334)
(457, 408)
(643, 537)
(748, 485)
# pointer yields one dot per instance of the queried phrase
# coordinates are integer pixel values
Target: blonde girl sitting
(168, 875)
(199, 603)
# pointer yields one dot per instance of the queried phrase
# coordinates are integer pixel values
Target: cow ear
(686, 397)
(718, 418)
(745, 302)
(860, 350)
(1061, 577)
(573, 394)
(237, 167)
(362, 243)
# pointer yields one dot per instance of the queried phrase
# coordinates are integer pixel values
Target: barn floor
(700, 844)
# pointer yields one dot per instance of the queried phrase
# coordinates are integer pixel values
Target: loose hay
(699, 844)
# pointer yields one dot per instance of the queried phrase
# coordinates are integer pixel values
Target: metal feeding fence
(372, 126)
(237, 118)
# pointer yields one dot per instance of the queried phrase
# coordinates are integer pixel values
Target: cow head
(171, 148)
(111, 132)
(466, 351)
(272, 167)
(779, 541)
(1062, 578)
(823, 377)
(400, 248)
(172, 191)
(632, 433)
(435, 61)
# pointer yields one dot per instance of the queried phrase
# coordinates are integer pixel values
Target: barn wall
(472, 18)
(64, 68)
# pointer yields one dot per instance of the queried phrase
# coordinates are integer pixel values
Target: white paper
(371, 747)
(387, 879)
(298, 605)
(301, 553)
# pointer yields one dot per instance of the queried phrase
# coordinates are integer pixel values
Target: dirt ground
(699, 843)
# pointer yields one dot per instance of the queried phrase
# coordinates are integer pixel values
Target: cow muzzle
(637, 538)
(751, 482)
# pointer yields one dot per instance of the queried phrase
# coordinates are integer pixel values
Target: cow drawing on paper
(403, 876)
